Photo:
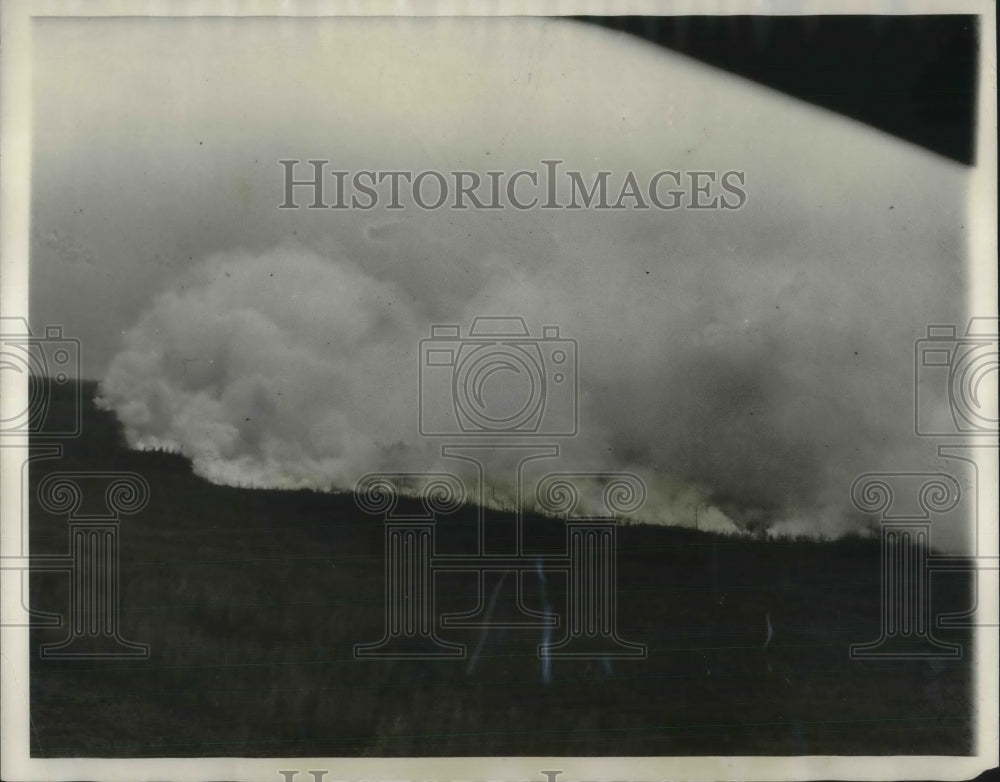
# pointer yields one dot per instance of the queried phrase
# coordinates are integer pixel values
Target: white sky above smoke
(756, 360)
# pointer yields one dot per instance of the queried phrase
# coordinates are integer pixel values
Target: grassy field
(252, 600)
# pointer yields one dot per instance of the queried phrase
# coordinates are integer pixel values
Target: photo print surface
(503, 387)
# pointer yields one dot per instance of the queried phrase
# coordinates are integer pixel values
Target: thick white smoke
(746, 364)
(731, 398)
(288, 369)
(273, 370)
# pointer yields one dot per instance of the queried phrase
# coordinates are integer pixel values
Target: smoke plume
(747, 364)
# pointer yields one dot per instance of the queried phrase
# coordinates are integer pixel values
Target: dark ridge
(252, 602)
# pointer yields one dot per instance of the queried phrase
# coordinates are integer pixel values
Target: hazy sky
(760, 358)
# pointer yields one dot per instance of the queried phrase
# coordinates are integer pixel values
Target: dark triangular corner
(911, 76)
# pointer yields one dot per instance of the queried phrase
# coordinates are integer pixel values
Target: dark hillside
(252, 600)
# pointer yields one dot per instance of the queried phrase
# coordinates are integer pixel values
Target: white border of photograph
(15, 154)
